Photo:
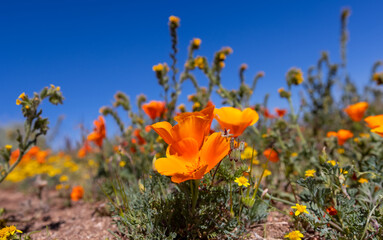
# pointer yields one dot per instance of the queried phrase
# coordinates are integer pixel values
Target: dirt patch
(276, 226)
(53, 218)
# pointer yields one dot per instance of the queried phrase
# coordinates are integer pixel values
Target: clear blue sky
(94, 48)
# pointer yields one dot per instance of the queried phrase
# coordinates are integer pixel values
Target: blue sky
(94, 48)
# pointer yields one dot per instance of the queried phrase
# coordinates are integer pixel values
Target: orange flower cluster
(375, 123)
(356, 111)
(267, 114)
(77, 193)
(99, 132)
(235, 120)
(271, 155)
(154, 109)
(331, 211)
(280, 112)
(192, 152)
(84, 150)
(342, 135)
(34, 153)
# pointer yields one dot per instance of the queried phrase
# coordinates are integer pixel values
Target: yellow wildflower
(356, 140)
(158, 68)
(364, 135)
(222, 56)
(266, 173)
(294, 154)
(8, 231)
(221, 64)
(8, 147)
(182, 107)
(18, 101)
(63, 178)
(199, 62)
(242, 181)
(294, 235)
(363, 180)
(196, 42)
(342, 171)
(332, 162)
(310, 173)
(122, 164)
(255, 161)
(196, 106)
(248, 153)
(22, 96)
(59, 186)
(264, 135)
(340, 150)
(174, 19)
(300, 209)
(92, 163)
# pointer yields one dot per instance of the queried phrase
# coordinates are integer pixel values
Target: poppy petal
(164, 130)
(214, 150)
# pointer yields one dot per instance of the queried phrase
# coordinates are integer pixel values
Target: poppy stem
(194, 193)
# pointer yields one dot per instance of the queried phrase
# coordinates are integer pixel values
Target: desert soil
(53, 219)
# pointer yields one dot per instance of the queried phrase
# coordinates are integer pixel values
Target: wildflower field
(204, 169)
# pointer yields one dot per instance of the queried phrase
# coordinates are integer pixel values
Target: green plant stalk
(251, 170)
(283, 146)
(260, 178)
(240, 205)
(195, 193)
(369, 217)
(231, 199)
(294, 119)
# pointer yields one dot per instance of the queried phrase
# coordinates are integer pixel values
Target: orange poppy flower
(194, 163)
(14, 156)
(148, 128)
(42, 155)
(356, 111)
(378, 130)
(191, 153)
(137, 134)
(271, 155)
(32, 153)
(332, 134)
(331, 211)
(84, 150)
(99, 132)
(343, 135)
(267, 114)
(154, 109)
(194, 125)
(235, 120)
(280, 112)
(77, 193)
(374, 121)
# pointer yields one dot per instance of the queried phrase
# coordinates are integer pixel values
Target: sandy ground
(54, 220)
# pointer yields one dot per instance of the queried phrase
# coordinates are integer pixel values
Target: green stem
(195, 193)
(369, 217)
(231, 200)
(294, 119)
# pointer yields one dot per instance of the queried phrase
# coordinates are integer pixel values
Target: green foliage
(153, 211)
